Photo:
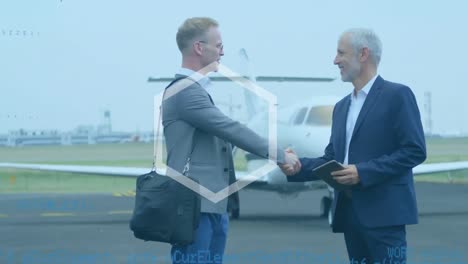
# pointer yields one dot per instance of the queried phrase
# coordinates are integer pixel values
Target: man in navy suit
(377, 134)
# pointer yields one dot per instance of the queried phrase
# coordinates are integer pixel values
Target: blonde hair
(193, 28)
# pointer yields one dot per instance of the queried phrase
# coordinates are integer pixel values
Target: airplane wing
(440, 167)
(258, 79)
(98, 170)
(134, 171)
(107, 170)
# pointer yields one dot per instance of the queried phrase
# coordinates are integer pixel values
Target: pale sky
(64, 62)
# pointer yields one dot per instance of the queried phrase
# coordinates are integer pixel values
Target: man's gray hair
(366, 38)
(192, 28)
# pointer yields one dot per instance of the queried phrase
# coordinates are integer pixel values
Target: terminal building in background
(83, 134)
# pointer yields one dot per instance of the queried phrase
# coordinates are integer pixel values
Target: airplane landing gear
(326, 207)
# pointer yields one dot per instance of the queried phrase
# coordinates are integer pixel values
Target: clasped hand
(291, 164)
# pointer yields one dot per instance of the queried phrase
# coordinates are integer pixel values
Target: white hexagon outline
(272, 136)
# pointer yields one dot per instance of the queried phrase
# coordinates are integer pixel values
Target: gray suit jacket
(190, 117)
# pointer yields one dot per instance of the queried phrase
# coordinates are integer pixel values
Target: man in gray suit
(195, 128)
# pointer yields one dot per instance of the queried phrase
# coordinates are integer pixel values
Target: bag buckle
(186, 167)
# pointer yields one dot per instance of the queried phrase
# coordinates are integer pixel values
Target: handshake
(291, 164)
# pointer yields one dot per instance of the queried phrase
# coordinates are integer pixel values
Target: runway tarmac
(59, 228)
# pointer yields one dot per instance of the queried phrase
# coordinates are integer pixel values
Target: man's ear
(364, 56)
(197, 48)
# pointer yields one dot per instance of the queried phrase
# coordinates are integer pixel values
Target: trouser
(381, 245)
(209, 244)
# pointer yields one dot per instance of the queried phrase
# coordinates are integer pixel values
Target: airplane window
(300, 116)
(320, 115)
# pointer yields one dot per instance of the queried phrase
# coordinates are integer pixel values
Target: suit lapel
(210, 98)
(342, 116)
(185, 76)
(369, 103)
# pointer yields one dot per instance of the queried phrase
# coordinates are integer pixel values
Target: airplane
(304, 127)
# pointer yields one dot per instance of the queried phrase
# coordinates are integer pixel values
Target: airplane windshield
(300, 116)
(320, 116)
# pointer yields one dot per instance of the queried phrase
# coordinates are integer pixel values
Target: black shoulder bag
(165, 210)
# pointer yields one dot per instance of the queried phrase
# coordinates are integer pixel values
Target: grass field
(446, 150)
(140, 155)
(125, 155)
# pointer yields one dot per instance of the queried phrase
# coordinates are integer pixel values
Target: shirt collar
(366, 89)
(203, 80)
(369, 84)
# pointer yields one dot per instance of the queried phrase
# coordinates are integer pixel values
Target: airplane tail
(252, 102)
(246, 66)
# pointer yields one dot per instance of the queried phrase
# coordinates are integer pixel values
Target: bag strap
(156, 142)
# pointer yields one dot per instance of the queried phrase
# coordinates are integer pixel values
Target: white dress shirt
(357, 101)
(203, 80)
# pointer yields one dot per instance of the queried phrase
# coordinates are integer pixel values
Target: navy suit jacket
(387, 142)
